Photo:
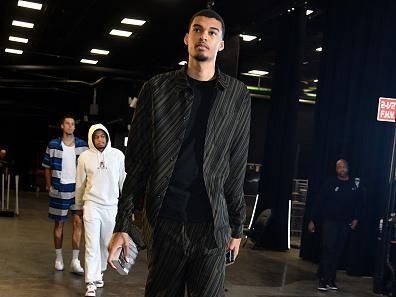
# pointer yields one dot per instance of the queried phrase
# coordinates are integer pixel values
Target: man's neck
(68, 139)
(203, 71)
(343, 178)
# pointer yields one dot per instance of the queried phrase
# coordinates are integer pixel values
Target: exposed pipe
(79, 68)
(61, 81)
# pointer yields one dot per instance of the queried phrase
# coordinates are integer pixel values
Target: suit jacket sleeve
(137, 160)
(233, 187)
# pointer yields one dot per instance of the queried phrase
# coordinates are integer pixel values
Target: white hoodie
(100, 175)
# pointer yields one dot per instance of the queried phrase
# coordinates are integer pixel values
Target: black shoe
(332, 286)
(322, 286)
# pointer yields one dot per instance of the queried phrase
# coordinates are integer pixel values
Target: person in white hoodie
(100, 176)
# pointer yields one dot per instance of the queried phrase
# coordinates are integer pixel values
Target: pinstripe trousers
(185, 257)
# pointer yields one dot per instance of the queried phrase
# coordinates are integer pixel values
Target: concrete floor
(27, 256)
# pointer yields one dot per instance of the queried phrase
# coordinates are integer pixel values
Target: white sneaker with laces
(99, 284)
(59, 266)
(91, 290)
(75, 267)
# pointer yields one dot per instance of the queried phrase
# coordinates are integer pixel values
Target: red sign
(386, 110)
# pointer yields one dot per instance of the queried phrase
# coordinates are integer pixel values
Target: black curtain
(228, 59)
(358, 66)
(280, 144)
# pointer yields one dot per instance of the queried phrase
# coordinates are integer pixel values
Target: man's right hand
(119, 240)
(311, 226)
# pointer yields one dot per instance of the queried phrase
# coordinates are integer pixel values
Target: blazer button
(159, 196)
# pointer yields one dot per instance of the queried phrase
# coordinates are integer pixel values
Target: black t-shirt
(186, 198)
(339, 201)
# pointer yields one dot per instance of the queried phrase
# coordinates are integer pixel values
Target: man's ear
(221, 46)
(186, 39)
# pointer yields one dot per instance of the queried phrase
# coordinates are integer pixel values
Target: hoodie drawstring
(101, 161)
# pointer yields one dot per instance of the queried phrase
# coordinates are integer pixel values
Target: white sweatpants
(99, 222)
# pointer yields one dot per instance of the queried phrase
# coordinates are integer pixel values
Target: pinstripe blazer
(156, 136)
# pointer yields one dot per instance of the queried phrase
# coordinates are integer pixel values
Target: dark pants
(334, 236)
(185, 256)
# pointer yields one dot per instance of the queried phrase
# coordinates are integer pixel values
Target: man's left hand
(233, 244)
(354, 224)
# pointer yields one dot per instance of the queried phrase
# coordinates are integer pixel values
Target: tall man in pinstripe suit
(187, 153)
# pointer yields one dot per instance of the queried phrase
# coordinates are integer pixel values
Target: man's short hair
(209, 13)
(66, 116)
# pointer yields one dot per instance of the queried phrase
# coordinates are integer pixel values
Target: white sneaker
(75, 267)
(91, 290)
(99, 284)
(59, 265)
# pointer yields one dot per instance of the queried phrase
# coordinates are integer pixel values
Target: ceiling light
(29, 4)
(133, 22)
(121, 33)
(22, 24)
(310, 95)
(247, 37)
(182, 63)
(319, 49)
(99, 52)
(249, 74)
(308, 12)
(88, 61)
(13, 51)
(258, 72)
(18, 39)
(306, 101)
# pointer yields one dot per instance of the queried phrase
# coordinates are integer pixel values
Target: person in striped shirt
(60, 162)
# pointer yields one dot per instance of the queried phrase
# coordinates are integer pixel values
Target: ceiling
(49, 75)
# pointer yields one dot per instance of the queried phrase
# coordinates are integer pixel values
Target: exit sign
(386, 110)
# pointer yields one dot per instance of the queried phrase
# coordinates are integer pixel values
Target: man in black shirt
(187, 154)
(337, 208)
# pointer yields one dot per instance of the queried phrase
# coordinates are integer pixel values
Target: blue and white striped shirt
(53, 158)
